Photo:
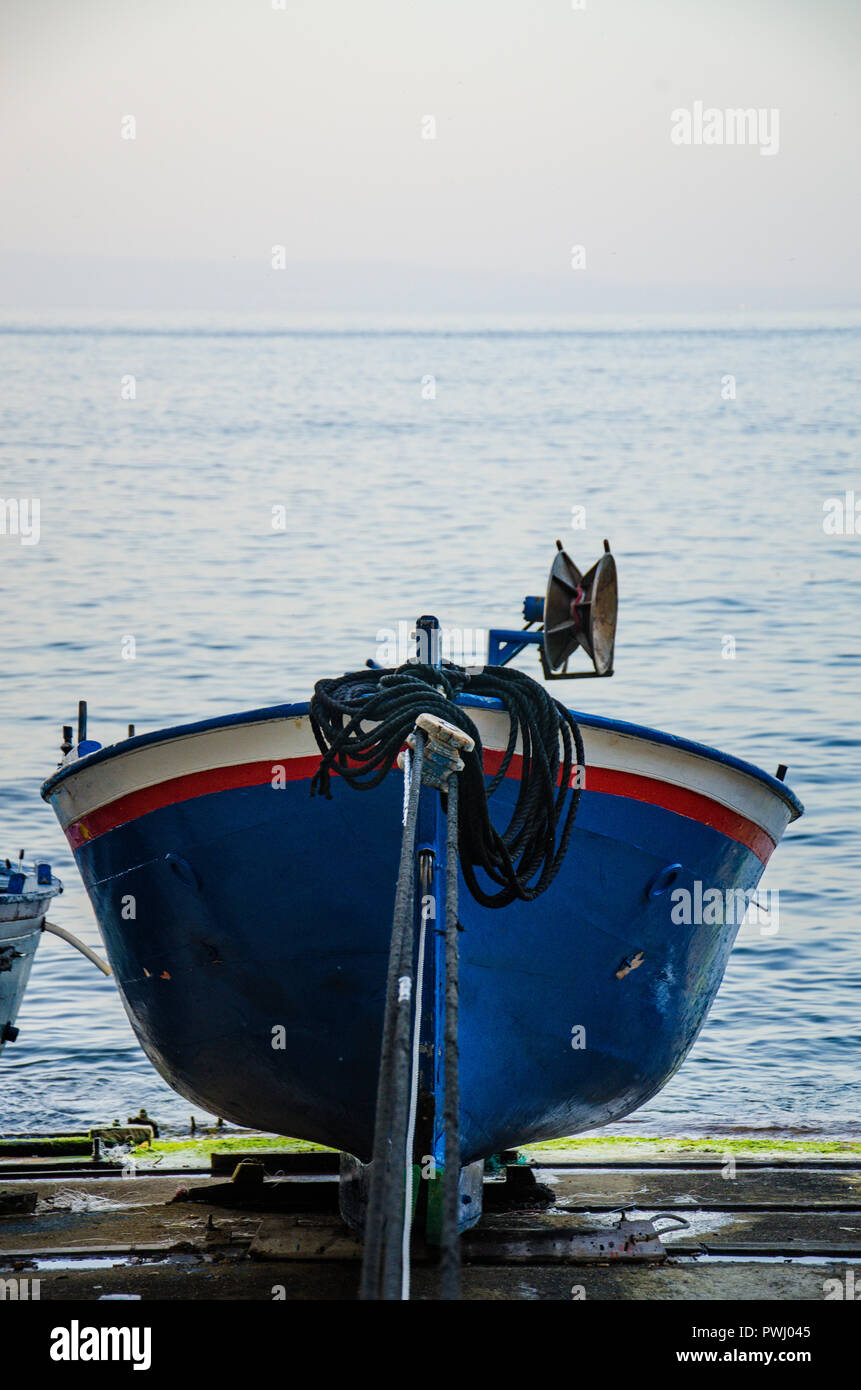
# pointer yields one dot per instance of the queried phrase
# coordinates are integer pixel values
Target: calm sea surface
(157, 523)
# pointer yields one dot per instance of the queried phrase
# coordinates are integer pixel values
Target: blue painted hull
(275, 914)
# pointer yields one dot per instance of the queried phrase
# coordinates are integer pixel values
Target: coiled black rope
(362, 720)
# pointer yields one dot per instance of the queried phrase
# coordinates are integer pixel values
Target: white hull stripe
(114, 791)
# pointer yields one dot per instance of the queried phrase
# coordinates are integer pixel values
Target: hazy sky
(302, 126)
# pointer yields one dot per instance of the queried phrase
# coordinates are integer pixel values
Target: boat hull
(248, 928)
(21, 918)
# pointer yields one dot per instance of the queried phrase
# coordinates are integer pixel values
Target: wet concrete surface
(763, 1234)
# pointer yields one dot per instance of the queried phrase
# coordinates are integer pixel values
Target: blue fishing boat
(249, 924)
(25, 893)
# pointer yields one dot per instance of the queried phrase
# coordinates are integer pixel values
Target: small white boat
(24, 897)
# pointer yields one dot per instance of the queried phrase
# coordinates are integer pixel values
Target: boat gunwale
(300, 709)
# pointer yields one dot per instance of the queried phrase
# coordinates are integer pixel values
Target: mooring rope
(382, 1270)
(362, 720)
(425, 871)
(390, 1206)
(449, 1236)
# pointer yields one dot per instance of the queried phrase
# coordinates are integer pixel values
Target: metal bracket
(628, 1240)
(503, 644)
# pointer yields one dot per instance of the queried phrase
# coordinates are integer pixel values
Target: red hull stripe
(685, 803)
(598, 779)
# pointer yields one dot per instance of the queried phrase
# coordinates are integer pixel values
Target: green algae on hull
(200, 1149)
(604, 1148)
(615, 1146)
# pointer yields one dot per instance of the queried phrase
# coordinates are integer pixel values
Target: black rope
(449, 1235)
(382, 1267)
(362, 720)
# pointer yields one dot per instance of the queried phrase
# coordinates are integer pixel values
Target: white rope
(408, 766)
(78, 945)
